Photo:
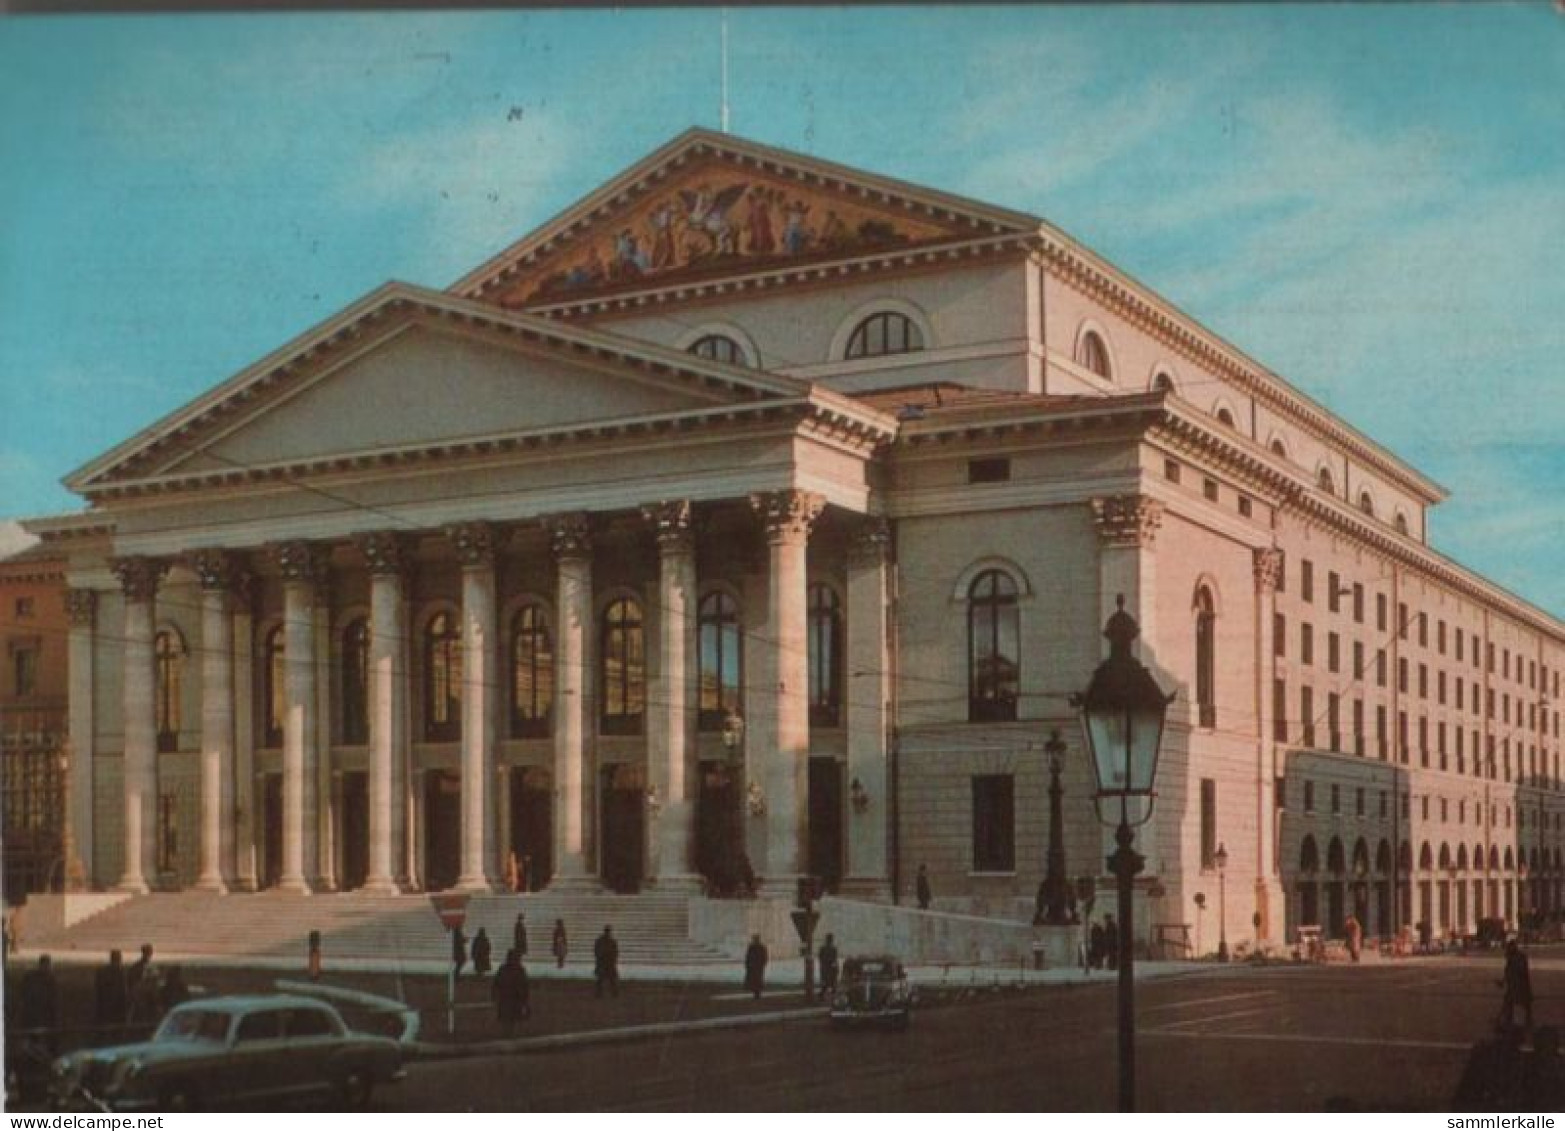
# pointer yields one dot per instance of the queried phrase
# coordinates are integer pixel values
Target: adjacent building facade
(761, 513)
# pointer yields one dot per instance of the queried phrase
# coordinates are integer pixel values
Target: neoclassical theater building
(758, 507)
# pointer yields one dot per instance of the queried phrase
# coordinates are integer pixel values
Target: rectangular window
(1358, 801)
(1309, 797)
(1385, 805)
(1380, 669)
(1423, 681)
(168, 832)
(24, 672)
(994, 823)
(1171, 470)
(1307, 714)
(1358, 659)
(1280, 791)
(1380, 611)
(1279, 635)
(1402, 674)
(1334, 719)
(25, 608)
(1307, 579)
(1358, 727)
(1423, 630)
(1336, 798)
(1306, 644)
(1423, 741)
(1459, 642)
(1209, 489)
(1333, 652)
(1280, 710)
(993, 470)
(1440, 687)
(1440, 638)
(1423, 807)
(1245, 508)
(1402, 622)
(1358, 602)
(1208, 823)
(1333, 592)
(1380, 730)
(1402, 736)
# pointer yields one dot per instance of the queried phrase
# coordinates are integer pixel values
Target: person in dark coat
(560, 944)
(145, 981)
(1111, 942)
(755, 957)
(1095, 947)
(1543, 1074)
(1517, 983)
(922, 888)
(510, 993)
(828, 960)
(458, 951)
(39, 997)
(173, 991)
(605, 963)
(482, 950)
(519, 936)
(141, 969)
(111, 1002)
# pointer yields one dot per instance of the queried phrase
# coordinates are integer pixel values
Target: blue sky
(1371, 200)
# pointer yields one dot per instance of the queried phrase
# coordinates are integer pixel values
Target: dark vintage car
(233, 1052)
(873, 989)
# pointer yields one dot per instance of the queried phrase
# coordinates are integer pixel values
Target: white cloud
(13, 539)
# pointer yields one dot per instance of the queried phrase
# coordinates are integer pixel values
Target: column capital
(139, 577)
(385, 551)
(221, 570)
(1268, 569)
(871, 542)
(474, 543)
(300, 560)
(1127, 520)
(570, 534)
(787, 514)
(80, 607)
(671, 525)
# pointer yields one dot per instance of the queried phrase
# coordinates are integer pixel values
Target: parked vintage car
(233, 1052)
(873, 989)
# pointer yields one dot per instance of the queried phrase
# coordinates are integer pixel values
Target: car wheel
(355, 1090)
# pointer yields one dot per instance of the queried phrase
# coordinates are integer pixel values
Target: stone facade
(743, 551)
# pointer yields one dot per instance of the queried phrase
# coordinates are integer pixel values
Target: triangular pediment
(409, 370)
(710, 205)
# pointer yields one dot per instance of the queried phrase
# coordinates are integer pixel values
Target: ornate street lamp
(1054, 902)
(1122, 712)
(1221, 860)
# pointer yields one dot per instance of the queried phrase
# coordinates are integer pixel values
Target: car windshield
(195, 1026)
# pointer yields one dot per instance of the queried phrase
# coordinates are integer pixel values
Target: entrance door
(1383, 903)
(826, 821)
(355, 830)
(271, 829)
(532, 826)
(718, 828)
(442, 829)
(1334, 909)
(624, 829)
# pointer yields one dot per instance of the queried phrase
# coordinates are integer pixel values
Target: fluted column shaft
(573, 604)
(480, 681)
(299, 566)
(386, 556)
(139, 577)
(217, 715)
(669, 747)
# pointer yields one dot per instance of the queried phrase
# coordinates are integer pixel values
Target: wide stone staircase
(652, 928)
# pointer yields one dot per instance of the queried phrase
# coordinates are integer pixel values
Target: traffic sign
(452, 909)
(804, 922)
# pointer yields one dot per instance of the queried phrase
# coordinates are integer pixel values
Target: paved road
(1277, 1039)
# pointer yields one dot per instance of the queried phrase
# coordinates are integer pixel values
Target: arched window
(169, 652)
(532, 674)
(1383, 857)
(717, 627)
(1225, 418)
(1366, 504)
(355, 666)
(624, 668)
(1324, 481)
(1401, 523)
(442, 679)
(1279, 449)
(994, 651)
(1309, 855)
(1426, 858)
(719, 347)
(1093, 356)
(825, 654)
(1163, 383)
(1336, 858)
(1206, 656)
(275, 688)
(884, 333)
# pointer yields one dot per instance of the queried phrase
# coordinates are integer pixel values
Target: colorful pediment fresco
(713, 220)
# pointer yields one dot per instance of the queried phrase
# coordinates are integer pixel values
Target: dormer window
(1366, 504)
(1401, 523)
(719, 347)
(1093, 356)
(883, 334)
(1324, 481)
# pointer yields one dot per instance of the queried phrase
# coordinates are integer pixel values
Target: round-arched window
(442, 679)
(719, 347)
(994, 648)
(883, 334)
(354, 666)
(532, 673)
(1093, 355)
(1366, 504)
(720, 657)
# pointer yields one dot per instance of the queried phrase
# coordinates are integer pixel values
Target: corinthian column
(1267, 563)
(139, 577)
(386, 555)
(669, 752)
(215, 568)
(301, 565)
(867, 708)
(788, 516)
(572, 544)
(81, 606)
(474, 544)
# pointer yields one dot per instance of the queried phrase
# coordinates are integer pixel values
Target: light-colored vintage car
(234, 1052)
(873, 989)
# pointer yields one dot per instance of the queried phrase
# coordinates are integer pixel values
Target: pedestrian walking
(458, 951)
(828, 962)
(510, 993)
(1096, 948)
(1517, 983)
(605, 963)
(173, 991)
(482, 952)
(111, 997)
(922, 888)
(519, 935)
(755, 957)
(559, 945)
(1110, 942)
(1354, 932)
(141, 969)
(145, 981)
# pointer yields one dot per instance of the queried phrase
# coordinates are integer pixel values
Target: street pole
(1222, 916)
(1126, 864)
(1055, 909)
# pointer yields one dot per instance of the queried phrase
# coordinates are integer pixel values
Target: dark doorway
(718, 828)
(1309, 904)
(532, 826)
(442, 829)
(271, 829)
(624, 829)
(355, 830)
(826, 821)
(1383, 902)
(1334, 916)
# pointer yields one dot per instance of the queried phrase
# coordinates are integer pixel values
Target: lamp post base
(1126, 864)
